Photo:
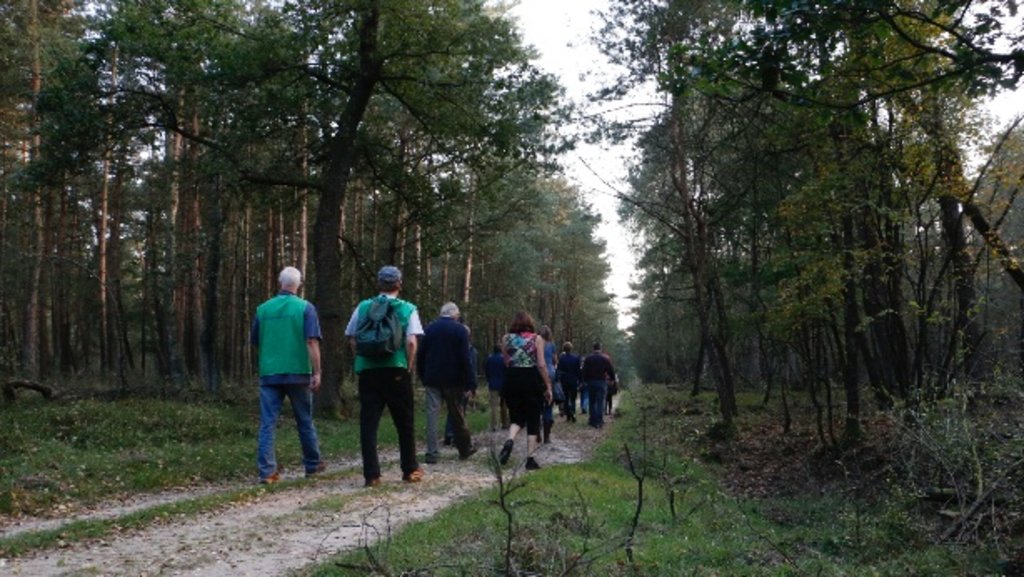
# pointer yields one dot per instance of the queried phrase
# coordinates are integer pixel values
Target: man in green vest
(287, 331)
(386, 381)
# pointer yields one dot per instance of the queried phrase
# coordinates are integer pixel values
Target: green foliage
(826, 148)
(794, 50)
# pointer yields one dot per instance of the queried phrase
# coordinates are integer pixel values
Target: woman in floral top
(527, 385)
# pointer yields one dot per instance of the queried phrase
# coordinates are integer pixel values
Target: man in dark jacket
(444, 365)
(449, 426)
(597, 371)
(494, 370)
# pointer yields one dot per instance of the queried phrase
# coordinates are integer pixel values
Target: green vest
(282, 336)
(405, 310)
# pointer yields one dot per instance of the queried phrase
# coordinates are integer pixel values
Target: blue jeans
(597, 390)
(584, 398)
(271, 400)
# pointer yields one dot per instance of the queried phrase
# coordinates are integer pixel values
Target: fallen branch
(11, 386)
(979, 503)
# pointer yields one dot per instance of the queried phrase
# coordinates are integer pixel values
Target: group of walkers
(534, 382)
(525, 380)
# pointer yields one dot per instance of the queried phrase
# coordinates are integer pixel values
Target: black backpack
(379, 333)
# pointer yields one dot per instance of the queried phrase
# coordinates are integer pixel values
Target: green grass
(574, 520)
(75, 454)
(84, 451)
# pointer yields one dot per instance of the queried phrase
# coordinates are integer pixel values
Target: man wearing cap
(387, 382)
(287, 331)
(444, 365)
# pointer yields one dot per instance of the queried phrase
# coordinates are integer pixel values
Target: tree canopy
(163, 160)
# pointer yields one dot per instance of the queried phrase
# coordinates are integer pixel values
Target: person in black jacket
(449, 426)
(569, 376)
(597, 371)
(443, 364)
(494, 371)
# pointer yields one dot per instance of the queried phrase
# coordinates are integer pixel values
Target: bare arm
(410, 353)
(313, 346)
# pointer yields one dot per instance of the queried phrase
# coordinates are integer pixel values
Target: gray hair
(290, 277)
(450, 310)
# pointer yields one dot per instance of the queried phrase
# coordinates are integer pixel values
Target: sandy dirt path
(285, 530)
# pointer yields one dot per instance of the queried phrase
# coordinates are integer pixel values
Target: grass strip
(91, 529)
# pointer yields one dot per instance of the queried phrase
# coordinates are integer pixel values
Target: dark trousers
(455, 427)
(390, 388)
(570, 390)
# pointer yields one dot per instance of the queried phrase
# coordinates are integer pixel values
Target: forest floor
(293, 526)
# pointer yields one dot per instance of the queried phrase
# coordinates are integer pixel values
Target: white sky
(560, 30)
(1008, 105)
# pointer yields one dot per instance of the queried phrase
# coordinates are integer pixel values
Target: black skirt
(524, 395)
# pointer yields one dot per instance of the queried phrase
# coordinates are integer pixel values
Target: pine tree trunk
(31, 320)
(6, 335)
(118, 339)
(246, 306)
(193, 258)
(851, 324)
(164, 241)
(208, 337)
(103, 204)
(60, 317)
(467, 284)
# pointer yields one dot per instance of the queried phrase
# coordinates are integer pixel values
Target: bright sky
(1007, 106)
(561, 32)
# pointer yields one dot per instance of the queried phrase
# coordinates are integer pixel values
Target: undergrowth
(661, 498)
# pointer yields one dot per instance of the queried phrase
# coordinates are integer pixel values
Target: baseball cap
(389, 275)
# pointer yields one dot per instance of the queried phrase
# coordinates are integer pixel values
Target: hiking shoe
(375, 482)
(414, 477)
(472, 450)
(506, 452)
(271, 478)
(531, 464)
(430, 459)
(319, 469)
